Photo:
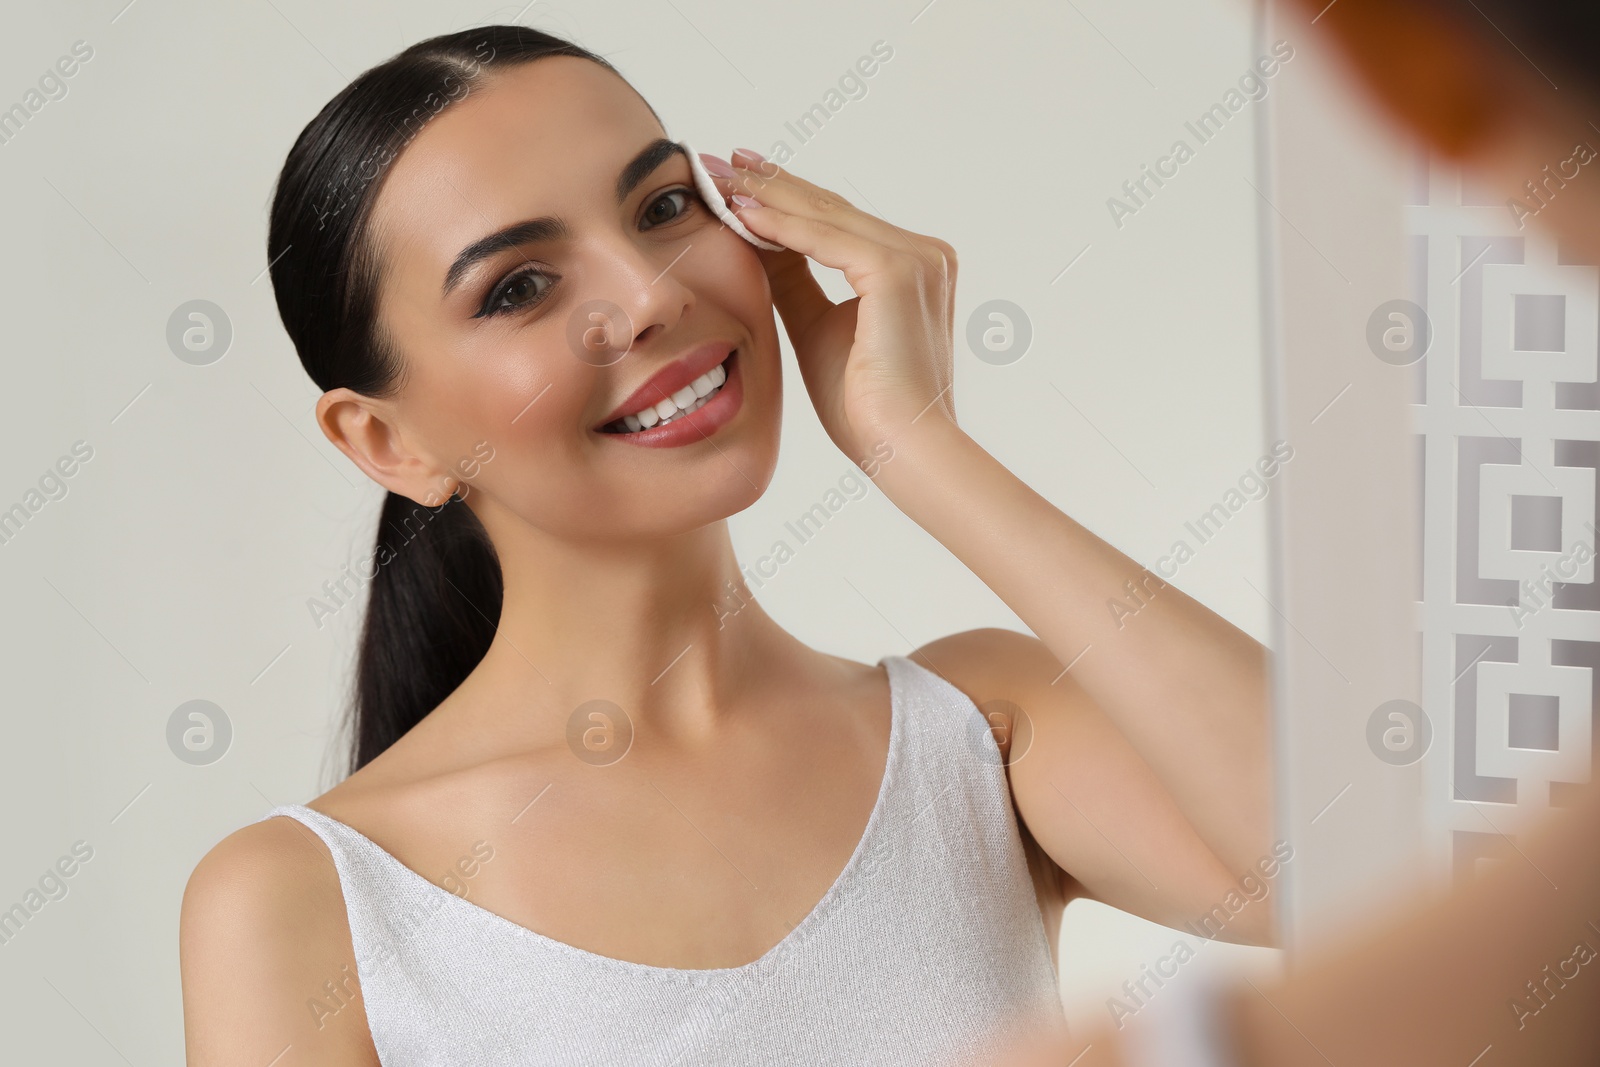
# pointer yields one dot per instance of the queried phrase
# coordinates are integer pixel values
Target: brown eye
(521, 290)
(654, 214)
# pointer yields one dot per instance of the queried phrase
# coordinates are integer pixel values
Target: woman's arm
(1092, 802)
(1184, 687)
(1511, 961)
(1503, 971)
(265, 953)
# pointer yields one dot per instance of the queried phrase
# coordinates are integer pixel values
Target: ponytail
(433, 609)
(435, 598)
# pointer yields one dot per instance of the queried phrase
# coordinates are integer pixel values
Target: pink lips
(669, 379)
(699, 424)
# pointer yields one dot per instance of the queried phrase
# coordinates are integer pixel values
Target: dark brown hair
(436, 591)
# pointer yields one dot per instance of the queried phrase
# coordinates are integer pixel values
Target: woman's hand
(874, 364)
(1180, 695)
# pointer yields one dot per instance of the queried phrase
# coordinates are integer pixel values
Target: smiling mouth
(685, 401)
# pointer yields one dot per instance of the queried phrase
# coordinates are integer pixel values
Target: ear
(1437, 77)
(366, 431)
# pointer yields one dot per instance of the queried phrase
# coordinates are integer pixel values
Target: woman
(664, 828)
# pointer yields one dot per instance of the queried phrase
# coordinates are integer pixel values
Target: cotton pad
(719, 206)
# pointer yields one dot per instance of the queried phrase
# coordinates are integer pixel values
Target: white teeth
(690, 398)
(694, 405)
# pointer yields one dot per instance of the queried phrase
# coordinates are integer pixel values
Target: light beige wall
(179, 564)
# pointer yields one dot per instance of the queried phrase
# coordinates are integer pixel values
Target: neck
(666, 628)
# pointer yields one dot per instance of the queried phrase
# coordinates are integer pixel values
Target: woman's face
(532, 344)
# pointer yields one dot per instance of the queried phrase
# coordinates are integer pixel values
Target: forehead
(543, 137)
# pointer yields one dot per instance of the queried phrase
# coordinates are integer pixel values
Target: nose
(637, 292)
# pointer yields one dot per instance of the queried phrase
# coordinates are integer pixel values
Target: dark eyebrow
(549, 227)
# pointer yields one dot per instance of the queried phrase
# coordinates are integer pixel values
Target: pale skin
(1431, 984)
(756, 759)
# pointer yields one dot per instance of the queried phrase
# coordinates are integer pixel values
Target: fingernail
(751, 157)
(745, 201)
(717, 166)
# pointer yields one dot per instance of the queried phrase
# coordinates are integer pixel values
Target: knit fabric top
(928, 945)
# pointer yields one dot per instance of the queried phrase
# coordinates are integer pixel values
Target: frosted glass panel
(1437, 357)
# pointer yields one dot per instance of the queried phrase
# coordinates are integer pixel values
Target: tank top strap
(957, 822)
(383, 910)
(929, 940)
(947, 737)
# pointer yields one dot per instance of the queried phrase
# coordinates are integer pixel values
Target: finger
(861, 259)
(950, 266)
(936, 254)
(771, 184)
(947, 253)
(794, 288)
(796, 293)
(757, 173)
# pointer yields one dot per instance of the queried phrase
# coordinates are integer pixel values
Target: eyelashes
(691, 199)
(496, 303)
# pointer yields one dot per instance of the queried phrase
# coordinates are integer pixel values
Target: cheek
(541, 468)
(740, 276)
(733, 280)
(503, 396)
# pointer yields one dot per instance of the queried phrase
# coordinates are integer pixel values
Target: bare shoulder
(1010, 675)
(992, 665)
(265, 954)
(1017, 684)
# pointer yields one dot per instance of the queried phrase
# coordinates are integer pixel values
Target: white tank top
(928, 944)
